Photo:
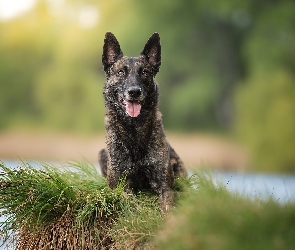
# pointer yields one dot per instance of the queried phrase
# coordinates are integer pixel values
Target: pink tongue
(133, 108)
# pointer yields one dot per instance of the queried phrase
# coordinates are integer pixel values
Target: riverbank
(195, 149)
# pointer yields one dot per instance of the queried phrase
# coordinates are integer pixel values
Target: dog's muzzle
(132, 102)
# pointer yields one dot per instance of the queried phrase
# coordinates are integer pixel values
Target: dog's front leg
(103, 161)
(117, 174)
(113, 176)
(162, 182)
(167, 199)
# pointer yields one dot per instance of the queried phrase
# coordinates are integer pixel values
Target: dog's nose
(134, 91)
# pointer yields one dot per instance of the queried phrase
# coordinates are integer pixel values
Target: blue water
(280, 188)
(256, 186)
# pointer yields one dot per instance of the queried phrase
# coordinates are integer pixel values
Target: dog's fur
(137, 148)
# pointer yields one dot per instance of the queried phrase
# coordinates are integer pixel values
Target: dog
(137, 148)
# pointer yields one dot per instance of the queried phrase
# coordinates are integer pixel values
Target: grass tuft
(69, 207)
(72, 207)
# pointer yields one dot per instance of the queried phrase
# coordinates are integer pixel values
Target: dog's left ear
(152, 52)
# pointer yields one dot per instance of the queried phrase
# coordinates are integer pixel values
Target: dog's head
(130, 88)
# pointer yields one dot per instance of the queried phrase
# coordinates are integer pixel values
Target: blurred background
(227, 80)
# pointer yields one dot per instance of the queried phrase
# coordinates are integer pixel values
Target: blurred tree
(49, 73)
(266, 99)
(266, 120)
(21, 57)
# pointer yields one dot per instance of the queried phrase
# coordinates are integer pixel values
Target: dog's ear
(152, 52)
(111, 51)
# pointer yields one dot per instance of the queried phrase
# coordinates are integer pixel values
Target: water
(281, 188)
(262, 186)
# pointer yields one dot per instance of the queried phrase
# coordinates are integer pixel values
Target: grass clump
(69, 207)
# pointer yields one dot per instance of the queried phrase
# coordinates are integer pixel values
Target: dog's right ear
(111, 51)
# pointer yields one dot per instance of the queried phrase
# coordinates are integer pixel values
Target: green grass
(212, 218)
(72, 207)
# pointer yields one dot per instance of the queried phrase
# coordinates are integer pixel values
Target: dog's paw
(167, 201)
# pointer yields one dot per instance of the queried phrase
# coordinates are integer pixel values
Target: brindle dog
(137, 148)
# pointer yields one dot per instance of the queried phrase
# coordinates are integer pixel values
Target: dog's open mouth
(132, 107)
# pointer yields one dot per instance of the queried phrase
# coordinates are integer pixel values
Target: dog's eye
(121, 72)
(145, 73)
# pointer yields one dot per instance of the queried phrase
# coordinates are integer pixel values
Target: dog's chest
(131, 148)
(134, 153)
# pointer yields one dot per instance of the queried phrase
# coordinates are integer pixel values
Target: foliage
(50, 73)
(264, 122)
(138, 224)
(212, 218)
(265, 99)
(71, 207)
(270, 44)
(194, 105)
